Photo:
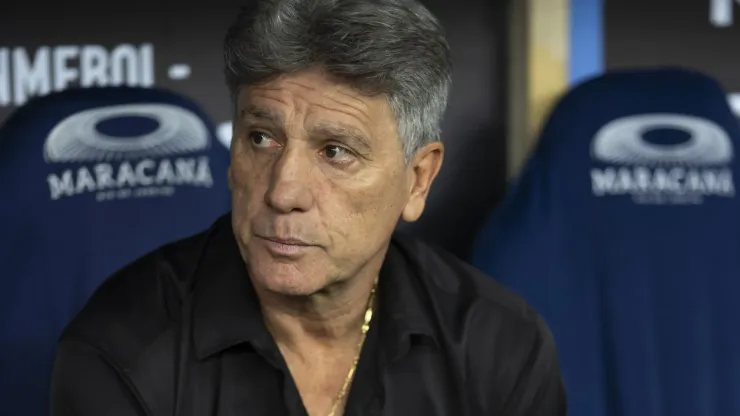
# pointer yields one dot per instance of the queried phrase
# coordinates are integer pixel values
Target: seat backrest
(622, 231)
(91, 179)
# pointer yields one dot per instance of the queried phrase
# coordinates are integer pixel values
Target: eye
(338, 154)
(262, 140)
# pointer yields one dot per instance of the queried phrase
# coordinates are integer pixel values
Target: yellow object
(351, 374)
(539, 33)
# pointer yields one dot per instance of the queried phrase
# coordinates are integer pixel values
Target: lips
(288, 248)
(287, 241)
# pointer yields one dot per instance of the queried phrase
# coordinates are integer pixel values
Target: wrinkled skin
(319, 182)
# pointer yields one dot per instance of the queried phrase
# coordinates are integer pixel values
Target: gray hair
(391, 47)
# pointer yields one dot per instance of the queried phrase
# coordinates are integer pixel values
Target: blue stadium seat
(91, 179)
(623, 232)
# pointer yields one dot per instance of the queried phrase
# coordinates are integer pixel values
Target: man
(301, 301)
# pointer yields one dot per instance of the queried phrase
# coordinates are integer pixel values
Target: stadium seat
(622, 230)
(91, 179)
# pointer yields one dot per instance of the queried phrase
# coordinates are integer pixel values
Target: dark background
(641, 33)
(474, 174)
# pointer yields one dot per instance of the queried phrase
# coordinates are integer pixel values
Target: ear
(230, 178)
(422, 169)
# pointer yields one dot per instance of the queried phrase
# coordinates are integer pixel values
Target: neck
(330, 317)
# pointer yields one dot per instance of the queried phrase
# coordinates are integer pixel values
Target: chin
(287, 279)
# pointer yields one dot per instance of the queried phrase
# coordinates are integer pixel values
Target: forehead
(313, 81)
(313, 94)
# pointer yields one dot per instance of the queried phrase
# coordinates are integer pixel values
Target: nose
(290, 189)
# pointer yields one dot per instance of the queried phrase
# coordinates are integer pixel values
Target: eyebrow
(323, 131)
(342, 134)
(263, 114)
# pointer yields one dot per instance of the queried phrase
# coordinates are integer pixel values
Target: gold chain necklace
(351, 374)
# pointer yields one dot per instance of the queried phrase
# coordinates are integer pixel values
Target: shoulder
(468, 305)
(449, 280)
(499, 343)
(139, 303)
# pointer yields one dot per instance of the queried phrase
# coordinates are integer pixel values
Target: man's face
(319, 181)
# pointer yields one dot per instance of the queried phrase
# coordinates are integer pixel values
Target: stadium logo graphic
(224, 133)
(128, 165)
(682, 173)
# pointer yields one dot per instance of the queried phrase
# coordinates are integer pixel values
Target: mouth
(285, 247)
(286, 241)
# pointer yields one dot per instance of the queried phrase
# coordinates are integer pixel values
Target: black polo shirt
(180, 332)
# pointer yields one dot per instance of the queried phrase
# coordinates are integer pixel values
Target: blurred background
(638, 279)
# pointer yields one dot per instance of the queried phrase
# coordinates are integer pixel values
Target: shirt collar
(227, 312)
(402, 299)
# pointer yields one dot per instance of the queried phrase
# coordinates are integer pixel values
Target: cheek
(382, 192)
(374, 204)
(245, 168)
(249, 182)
